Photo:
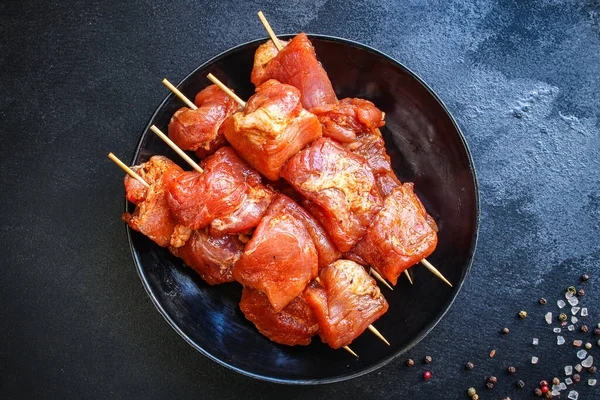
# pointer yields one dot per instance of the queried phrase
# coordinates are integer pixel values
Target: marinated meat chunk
(263, 55)
(400, 236)
(272, 128)
(345, 301)
(280, 259)
(198, 129)
(152, 215)
(211, 257)
(348, 118)
(197, 199)
(297, 65)
(294, 325)
(340, 186)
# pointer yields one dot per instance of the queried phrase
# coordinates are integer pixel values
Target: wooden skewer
(379, 278)
(173, 89)
(378, 334)
(125, 168)
(435, 271)
(349, 350)
(224, 88)
(269, 30)
(172, 145)
(408, 276)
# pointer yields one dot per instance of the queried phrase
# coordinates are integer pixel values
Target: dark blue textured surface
(80, 79)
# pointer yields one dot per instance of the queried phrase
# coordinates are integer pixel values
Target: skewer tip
(349, 350)
(379, 278)
(378, 334)
(435, 271)
(408, 276)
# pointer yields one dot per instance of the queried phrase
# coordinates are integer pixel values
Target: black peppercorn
(490, 385)
(592, 369)
(410, 362)
(520, 383)
(428, 360)
(585, 277)
(512, 370)
(580, 292)
(576, 378)
(538, 392)
(469, 365)
(584, 328)
(543, 301)
(505, 330)
(492, 379)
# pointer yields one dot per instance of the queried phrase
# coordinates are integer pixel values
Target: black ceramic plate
(426, 147)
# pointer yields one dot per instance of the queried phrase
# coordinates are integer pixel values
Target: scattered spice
(471, 392)
(577, 343)
(520, 383)
(580, 292)
(597, 332)
(592, 369)
(572, 290)
(427, 360)
(492, 353)
(492, 379)
(410, 362)
(549, 395)
(512, 370)
(523, 314)
(427, 375)
(585, 277)
(489, 385)
(475, 397)
(576, 378)
(538, 392)
(543, 383)
(544, 389)
(562, 317)
(584, 328)
(555, 381)
(588, 345)
(543, 301)
(505, 331)
(469, 365)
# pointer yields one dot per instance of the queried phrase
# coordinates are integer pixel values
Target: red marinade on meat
(400, 236)
(339, 185)
(281, 257)
(294, 325)
(349, 118)
(345, 301)
(152, 216)
(272, 128)
(297, 65)
(196, 199)
(211, 257)
(198, 130)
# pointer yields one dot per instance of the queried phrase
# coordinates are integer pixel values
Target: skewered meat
(400, 236)
(152, 215)
(272, 128)
(297, 65)
(198, 130)
(211, 257)
(346, 300)
(196, 199)
(281, 257)
(340, 186)
(263, 55)
(294, 325)
(343, 121)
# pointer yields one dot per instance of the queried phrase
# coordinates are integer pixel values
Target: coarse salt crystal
(569, 381)
(573, 395)
(584, 312)
(555, 392)
(555, 387)
(592, 382)
(548, 317)
(573, 301)
(568, 370)
(556, 330)
(587, 362)
(571, 327)
(560, 340)
(536, 341)
(561, 304)
(581, 355)
(563, 386)
(568, 295)
(575, 310)
(574, 319)
(577, 343)
(534, 360)
(578, 368)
